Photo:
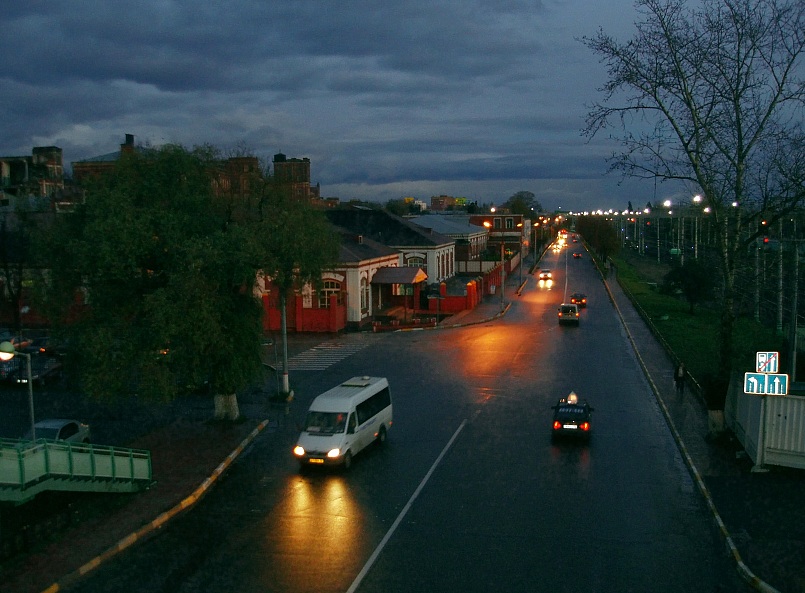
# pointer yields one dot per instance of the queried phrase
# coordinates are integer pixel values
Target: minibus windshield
(326, 422)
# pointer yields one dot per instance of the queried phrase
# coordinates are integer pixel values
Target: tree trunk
(727, 252)
(226, 407)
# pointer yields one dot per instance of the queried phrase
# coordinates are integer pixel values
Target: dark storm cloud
(382, 97)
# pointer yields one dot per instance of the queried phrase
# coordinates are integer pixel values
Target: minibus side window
(374, 405)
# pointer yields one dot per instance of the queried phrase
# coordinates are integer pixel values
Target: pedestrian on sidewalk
(679, 379)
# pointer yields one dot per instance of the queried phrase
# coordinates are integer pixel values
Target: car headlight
(299, 451)
(333, 453)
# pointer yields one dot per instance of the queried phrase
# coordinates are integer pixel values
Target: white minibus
(344, 420)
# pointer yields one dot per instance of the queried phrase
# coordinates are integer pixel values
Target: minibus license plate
(315, 460)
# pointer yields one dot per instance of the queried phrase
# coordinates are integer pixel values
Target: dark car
(572, 417)
(579, 298)
(576, 255)
(44, 369)
(568, 314)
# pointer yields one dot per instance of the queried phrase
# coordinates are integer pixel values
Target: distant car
(59, 429)
(44, 369)
(576, 255)
(572, 417)
(568, 314)
(579, 298)
(545, 278)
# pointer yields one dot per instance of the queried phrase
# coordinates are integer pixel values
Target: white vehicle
(344, 420)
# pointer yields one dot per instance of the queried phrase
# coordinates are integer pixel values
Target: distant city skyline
(415, 98)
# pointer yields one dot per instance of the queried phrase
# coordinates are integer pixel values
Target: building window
(417, 262)
(330, 287)
(497, 223)
(509, 223)
(364, 294)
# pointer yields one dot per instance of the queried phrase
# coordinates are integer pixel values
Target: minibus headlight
(333, 453)
(299, 451)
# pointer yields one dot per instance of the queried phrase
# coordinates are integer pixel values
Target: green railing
(30, 467)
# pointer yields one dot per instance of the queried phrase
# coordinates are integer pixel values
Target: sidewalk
(760, 515)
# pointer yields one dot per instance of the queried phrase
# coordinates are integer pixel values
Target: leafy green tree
(16, 230)
(711, 93)
(297, 244)
(694, 279)
(398, 207)
(599, 234)
(523, 202)
(168, 276)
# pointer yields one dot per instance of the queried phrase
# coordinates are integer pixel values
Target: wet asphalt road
(470, 493)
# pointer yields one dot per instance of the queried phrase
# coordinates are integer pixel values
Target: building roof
(450, 225)
(386, 228)
(104, 158)
(356, 248)
(399, 275)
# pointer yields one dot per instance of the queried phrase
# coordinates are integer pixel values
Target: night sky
(387, 99)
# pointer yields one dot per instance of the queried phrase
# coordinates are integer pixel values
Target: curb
(143, 532)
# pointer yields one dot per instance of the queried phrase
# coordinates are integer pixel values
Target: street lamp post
(7, 352)
(520, 268)
(502, 276)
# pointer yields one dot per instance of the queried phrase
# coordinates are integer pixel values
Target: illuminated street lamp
(520, 273)
(7, 352)
(488, 225)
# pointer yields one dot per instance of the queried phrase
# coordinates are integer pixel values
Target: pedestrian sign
(765, 384)
(767, 362)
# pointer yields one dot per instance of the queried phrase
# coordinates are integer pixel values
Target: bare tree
(712, 94)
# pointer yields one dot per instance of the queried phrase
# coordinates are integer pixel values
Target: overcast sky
(388, 99)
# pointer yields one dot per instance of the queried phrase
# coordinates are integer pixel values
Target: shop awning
(399, 275)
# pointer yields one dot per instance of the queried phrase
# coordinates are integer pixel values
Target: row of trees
(166, 251)
(712, 94)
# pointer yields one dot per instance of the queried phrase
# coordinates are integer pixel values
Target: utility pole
(780, 278)
(794, 299)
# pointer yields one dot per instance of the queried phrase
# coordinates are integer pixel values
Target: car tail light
(557, 425)
(585, 426)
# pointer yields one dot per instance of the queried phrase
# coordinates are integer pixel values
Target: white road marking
(366, 567)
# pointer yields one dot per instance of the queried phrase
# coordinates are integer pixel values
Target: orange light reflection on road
(315, 535)
(482, 356)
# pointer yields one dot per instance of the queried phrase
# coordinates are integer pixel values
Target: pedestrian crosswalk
(324, 355)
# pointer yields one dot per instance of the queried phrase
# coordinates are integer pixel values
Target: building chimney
(128, 145)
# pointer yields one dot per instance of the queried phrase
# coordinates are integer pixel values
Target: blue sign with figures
(767, 362)
(765, 384)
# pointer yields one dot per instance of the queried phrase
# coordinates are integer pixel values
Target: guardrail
(30, 467)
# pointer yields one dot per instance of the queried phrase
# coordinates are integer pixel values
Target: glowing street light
(7, 352)
(488, 225)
